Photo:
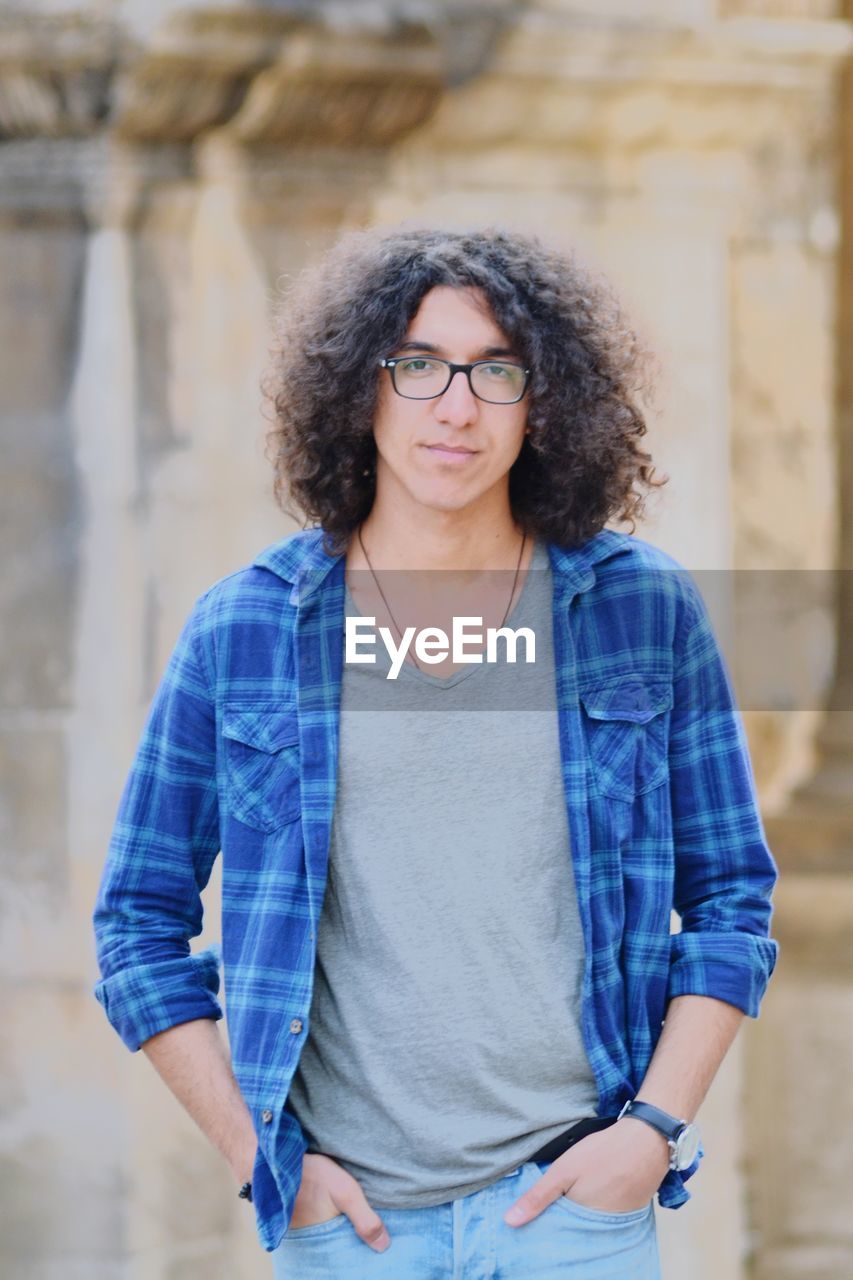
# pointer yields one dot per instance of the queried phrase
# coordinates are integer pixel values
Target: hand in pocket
(327, 1190)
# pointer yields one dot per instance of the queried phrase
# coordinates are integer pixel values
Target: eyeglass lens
(420, 378)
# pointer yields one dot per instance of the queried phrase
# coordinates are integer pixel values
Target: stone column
(156, 178)
(801, 1113)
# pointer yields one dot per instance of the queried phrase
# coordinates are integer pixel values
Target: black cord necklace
(388, 607)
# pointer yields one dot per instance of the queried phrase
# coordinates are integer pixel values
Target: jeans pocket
(316, 1228)
(612, 1218)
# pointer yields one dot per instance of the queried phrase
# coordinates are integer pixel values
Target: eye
(415, 365)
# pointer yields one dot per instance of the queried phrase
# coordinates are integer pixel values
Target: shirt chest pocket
(261, 749)
(626, 725)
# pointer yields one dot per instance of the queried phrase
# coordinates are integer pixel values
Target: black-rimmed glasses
(426, 377)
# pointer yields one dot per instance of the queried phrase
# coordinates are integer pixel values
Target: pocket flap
(263, 726)
(633, 700)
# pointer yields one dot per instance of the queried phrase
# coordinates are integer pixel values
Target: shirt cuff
(148, 998)
(734, 967)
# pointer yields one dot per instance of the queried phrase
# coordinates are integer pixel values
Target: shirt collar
(573, 567)
(301, 560)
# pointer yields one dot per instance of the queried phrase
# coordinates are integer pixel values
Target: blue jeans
(467, 1239)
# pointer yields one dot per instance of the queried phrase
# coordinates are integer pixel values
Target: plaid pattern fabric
(238, 755)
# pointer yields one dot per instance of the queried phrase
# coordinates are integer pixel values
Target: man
(463, 1039)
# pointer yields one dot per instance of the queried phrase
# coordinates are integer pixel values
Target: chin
(444, 500)
(436, 492)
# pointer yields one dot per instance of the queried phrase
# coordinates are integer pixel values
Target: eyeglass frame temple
(391, 362)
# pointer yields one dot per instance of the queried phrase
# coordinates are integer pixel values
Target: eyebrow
(486, 353)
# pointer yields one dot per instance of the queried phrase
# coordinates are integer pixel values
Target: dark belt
(569, 1137)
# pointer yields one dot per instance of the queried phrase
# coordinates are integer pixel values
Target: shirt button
(266, 1116)
(296, 1026)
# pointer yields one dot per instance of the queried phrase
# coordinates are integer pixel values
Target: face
(455, 451)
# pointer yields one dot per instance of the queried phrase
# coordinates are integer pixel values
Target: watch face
(686, 1146)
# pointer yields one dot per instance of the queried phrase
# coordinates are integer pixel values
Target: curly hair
(580, 465)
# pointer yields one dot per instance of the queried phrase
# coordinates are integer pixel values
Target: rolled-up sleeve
(724, 870)
(163, 846)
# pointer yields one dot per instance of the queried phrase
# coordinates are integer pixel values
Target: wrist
(242, 1160)
(645, 1140)
(680, 1136)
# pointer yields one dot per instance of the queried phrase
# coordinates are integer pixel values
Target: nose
(457, 405)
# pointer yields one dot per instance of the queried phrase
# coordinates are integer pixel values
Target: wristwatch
(683, 1137)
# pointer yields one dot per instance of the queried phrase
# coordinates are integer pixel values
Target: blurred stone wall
(162, 167)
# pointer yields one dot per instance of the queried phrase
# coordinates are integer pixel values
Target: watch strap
(669, 1126)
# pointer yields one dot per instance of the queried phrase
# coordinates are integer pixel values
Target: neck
(429, 539)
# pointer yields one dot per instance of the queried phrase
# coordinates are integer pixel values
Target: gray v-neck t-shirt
(445, 1044)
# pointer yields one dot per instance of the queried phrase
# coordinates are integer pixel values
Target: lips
(452, 450)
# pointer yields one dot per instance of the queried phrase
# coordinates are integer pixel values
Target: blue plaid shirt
(239, 755)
